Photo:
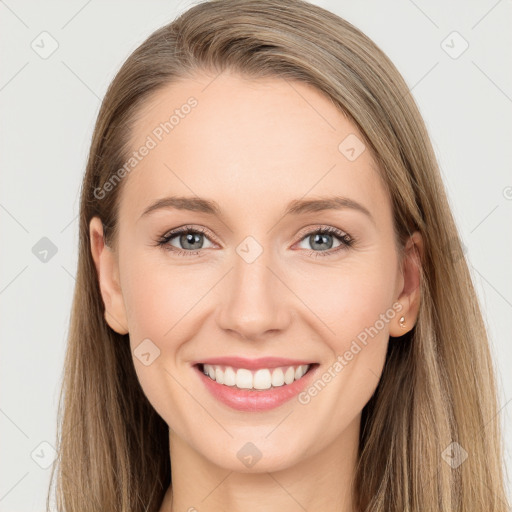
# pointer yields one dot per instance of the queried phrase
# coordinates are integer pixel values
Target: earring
(402, 322)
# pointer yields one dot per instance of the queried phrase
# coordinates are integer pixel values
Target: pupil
(322, 240)
(190, 238)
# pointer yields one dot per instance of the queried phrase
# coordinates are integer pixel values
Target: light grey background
(49, 106)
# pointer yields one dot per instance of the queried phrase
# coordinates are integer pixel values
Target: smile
(258, 388)
(264, 378)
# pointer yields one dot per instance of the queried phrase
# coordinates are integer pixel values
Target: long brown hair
(437, 386)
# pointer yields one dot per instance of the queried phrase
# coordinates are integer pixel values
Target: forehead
(249, 143)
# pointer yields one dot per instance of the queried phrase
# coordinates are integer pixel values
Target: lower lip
(250, 400)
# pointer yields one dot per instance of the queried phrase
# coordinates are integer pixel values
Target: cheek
(364, 312)
(344, 302)
(355, 303)
(348, 299)
(159, 299)
(159, 294)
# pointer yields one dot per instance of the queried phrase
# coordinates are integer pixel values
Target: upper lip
(252, 364)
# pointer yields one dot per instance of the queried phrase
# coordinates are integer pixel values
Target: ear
(409, 286)
(108, 276)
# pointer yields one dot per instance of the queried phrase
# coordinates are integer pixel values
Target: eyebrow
(295, 207)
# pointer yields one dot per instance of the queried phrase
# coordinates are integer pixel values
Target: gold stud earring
(402, 322)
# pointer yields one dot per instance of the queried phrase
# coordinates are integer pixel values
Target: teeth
(243, 379)
(289, 376)
(264, 378)
(229, 377)
(277, 377)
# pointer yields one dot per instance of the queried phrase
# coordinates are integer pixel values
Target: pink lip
(250, 400)
(252, 364)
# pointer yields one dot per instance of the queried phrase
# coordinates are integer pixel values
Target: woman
(272, 310)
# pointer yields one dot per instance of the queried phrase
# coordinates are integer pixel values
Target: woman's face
(254, 279)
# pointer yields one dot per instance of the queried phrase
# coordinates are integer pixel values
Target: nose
(257, 303)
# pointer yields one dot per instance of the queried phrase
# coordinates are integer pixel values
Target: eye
(189, 239)
(322, 239)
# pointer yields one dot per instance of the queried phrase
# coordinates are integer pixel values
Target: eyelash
(346, 240)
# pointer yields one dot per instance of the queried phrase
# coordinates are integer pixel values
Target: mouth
(257, 389)
(256, 380)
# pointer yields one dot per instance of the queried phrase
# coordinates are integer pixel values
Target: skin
(253, 146)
